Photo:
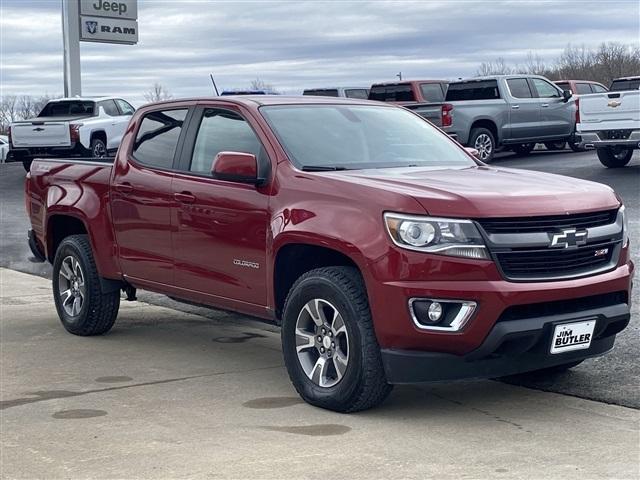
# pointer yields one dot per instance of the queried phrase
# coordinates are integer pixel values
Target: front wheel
(98, 148)
(84, 309)
(614, 157)
(329, 345)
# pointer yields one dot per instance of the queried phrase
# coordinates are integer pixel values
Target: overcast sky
(297, 44)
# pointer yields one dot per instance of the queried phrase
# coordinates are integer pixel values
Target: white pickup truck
(79, 126)
(610, 122)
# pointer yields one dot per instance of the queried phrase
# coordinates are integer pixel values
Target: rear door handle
(515, 107)
(125, 187)
(184, 197)
(544, 105)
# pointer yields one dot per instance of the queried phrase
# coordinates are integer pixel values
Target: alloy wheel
(71, 286)
(483, 145)
(322, 343)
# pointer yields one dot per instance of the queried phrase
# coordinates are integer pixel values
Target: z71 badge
(246, 263)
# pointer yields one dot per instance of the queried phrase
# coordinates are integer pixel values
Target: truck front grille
(539, 264)
(548, 223)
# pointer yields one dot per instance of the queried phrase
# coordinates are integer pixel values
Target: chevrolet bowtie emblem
(568, 238)
(614, 104)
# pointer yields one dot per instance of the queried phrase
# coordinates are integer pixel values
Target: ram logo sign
(109, 30)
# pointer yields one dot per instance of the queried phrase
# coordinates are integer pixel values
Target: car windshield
(336, 137)
(68, 107)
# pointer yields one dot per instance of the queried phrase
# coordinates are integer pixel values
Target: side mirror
(472, 151)
(236, 167)
(566, 95)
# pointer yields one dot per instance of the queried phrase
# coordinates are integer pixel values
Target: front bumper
(512, 346)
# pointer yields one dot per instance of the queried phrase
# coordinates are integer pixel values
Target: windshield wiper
(321, 168)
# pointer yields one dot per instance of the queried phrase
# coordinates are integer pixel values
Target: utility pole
(399, 75)
(71, 41)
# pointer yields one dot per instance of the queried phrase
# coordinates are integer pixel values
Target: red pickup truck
(385, 250)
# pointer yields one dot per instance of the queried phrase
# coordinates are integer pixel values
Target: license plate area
(572, 336)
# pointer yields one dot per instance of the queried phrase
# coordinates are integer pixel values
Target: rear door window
(361, 93)
(598, 88)
(158, 136)
(432, 92)
(519, 88)
(473, 90)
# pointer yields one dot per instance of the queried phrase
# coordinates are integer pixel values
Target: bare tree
(8, 111)
(534, 65)
(259, 84)
(496, 67)
(157, 94)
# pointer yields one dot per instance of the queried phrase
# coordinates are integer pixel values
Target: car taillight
(74, 133)
(447, 115)
(577, 111)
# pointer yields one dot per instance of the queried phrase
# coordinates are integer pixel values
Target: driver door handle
(515, 107)
(184, 197)
(125, 187)
(544, 105)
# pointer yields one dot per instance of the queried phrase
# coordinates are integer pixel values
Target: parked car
(610, 123)
(348, 92)
(4, 147)
(625, 84)
(511, 111)
(425, 97)
(79, 126)
(386, 251)
(577, 88)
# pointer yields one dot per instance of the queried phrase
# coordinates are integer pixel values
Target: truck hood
(484, 191)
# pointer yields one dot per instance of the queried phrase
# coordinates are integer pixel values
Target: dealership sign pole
(94, 21)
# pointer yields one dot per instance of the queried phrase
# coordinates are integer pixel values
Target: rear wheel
(84, 309)
(330, 349)
(523, 148)
(614, 157)
(98, 148)
(555, 145)
(484, 142)
(26, 163)
(575, 146)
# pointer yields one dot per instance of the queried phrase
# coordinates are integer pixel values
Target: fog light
(435, 311)
(444, 315)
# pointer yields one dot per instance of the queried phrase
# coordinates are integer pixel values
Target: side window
(583, 88)
(598, 88)
(432, 92)
(361, 93)
(109, 108)
(158, 136)
(125, 107)
(519, 87)
(221, 131)
(544, 88)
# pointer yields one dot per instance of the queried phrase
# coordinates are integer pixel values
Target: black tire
(483, 140)
(98, 148)
(555, 145)
(98, 310)
(523, 148)
(26, 163)
(575, 146)
(614, 157)
(363, 384)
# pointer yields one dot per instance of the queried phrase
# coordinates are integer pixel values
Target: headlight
(446, 236)
(625, 226)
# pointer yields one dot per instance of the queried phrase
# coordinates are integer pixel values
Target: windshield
(360, 136)
(68, 107)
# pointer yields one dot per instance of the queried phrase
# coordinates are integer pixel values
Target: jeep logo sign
(122, 9)
(108, 30)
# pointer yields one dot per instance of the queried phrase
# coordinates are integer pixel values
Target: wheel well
(60, 227)
(100, 134)
(293, 260)
(489, 125)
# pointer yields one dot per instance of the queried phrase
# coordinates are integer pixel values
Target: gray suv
(512, 111)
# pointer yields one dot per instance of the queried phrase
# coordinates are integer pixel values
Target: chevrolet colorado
(385, 250)
(71, 126)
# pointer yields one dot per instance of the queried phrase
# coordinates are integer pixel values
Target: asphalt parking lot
(178, 391)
